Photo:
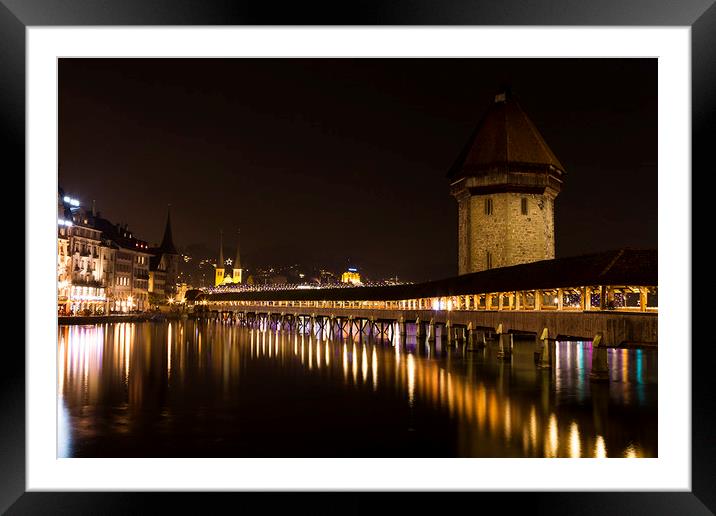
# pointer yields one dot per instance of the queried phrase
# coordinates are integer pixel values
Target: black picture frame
(17, 15)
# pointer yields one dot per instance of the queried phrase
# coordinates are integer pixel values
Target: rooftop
(504, 139)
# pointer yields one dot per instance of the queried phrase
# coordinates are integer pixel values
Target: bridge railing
(621, 298)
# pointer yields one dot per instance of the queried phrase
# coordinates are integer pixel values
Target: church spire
(167, 242)
(237, 263)
(236, 272)
(219, 273)
(220, 263)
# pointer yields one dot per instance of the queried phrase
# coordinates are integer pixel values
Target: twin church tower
(221, 275)
(505, 182)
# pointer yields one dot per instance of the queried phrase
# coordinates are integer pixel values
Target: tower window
(489, 260)
(524, 206)
(488, 206)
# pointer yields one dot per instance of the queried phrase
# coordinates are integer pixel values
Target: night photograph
(357, 257)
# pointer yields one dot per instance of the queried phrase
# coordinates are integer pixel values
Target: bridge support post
(431, 332)
(401, 329)
(545, 355)
(506, 343)
(476, 338)
(448, 332)
(600, 366)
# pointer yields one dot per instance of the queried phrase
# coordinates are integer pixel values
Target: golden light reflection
(345, 362)
(508, 422)
(625, 363)
(600, 448)
(631, 452)
(126, 343)
(169, 351)
(484, 410)
(354, 359)
(533, 427)
(552, 437)
(61, 362)
(364, 364)
(374, 362)
(310, 351)
(575, 446)
(492, 412)
(411, 379)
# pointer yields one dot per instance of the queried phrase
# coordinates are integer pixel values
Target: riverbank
(102, 319)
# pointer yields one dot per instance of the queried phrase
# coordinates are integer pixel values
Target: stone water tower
(505, 181)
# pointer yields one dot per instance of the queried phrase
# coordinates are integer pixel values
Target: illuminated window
(488, 206)
(524, 206)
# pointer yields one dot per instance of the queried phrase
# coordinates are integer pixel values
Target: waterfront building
(103, 267)
(89, 272)
(130, 275)
(84, 262)
(64, 259)
(505, 181)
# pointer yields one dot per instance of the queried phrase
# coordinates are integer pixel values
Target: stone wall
(510, 237)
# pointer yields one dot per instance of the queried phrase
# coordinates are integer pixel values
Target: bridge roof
(618, 267)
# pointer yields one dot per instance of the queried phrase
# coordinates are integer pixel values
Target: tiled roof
(504, 139)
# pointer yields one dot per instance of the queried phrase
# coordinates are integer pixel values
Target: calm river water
(203, 389)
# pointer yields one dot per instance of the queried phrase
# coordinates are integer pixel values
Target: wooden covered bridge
(612, 294)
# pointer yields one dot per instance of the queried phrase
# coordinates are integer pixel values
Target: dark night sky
(321, 160)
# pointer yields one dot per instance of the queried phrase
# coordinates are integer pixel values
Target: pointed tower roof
(237, 263)
(220, 263)
(167, 245)
(504, 139)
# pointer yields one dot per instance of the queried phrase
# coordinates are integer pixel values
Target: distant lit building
(222, 277)
(182, 289)
(326, 277)
(351, 276)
